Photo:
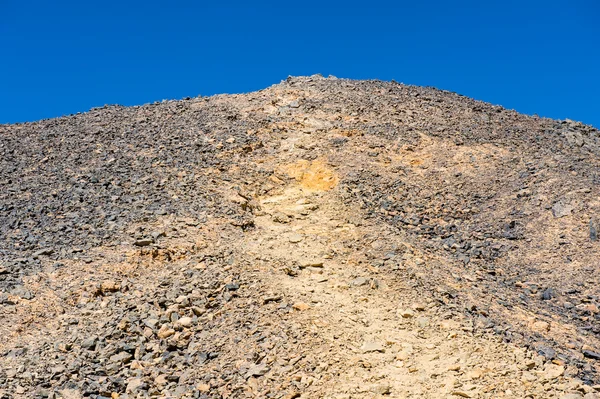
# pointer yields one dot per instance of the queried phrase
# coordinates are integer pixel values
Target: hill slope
(319, 238)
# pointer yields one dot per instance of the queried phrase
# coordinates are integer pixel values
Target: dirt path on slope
(384, 335)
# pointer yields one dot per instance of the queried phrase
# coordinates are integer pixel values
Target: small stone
(144, 242)
(403, 355)
(41, 252)
(198, 311)
(310, 263)
(548, 294)
(296, 238)
(109, 286)
(406, 313)
(134, 385)
(89, 343)
(383, 389)
(232, 287)
(272, 298)
(203, 387)
(279, 217)
(185, 322)
(420, 307)
(422, 322)
(369, 347)
(121, 357)
(359, 281)
(165, 332)
(529, 364)
(161, 380)
(454, 367)
(553, 371)
(546, 351)
(257, 370)
(158, 234)
(151, 323)
(474, 374)
(70, 394)
(591, 354)
(123, 324)
(462, 394)
(540, 326)
(301, 306)
(135, 365)
(22, 292)
(594, 227)
(561, 209)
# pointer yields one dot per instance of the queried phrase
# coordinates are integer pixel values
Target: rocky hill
(322, 238)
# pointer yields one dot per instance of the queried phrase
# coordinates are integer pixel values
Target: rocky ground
(322, 238)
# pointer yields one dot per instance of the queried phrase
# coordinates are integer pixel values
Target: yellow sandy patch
(313, 175)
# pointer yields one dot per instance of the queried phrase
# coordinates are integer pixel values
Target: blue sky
(61, 57)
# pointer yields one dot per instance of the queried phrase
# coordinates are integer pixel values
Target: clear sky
(61, 57)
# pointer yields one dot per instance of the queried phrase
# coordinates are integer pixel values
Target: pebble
(257, 370)
(546, 351)
(144, 242)
(70, 394)
(22, 292)
(296, 238)
(310, 263)
(462, 394)
(203, 387)
(591, 354)
(359, 281)
(89, 343)
(185, 322)
(165, 332)
(109, 287)
(552, 371)
(540, 326)
(382, 389)
(301, 306)
(369, 347)
(561, 209)
(272, 298)
(420, 307)
(135, 385)
(422, 322)
(122, 357)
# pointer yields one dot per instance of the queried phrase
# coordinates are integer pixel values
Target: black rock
(232, 287)
(89, 343)
(546, 351)
(591, 355)
(593, 229)
(548, 294)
